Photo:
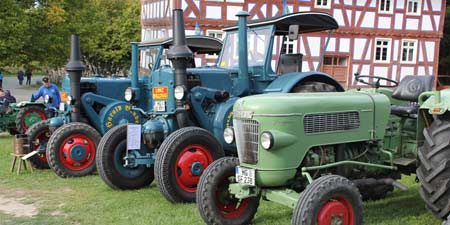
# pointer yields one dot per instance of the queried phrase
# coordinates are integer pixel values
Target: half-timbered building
(381, 37)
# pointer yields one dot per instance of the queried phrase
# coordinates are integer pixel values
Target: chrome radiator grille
(247, 140)
(329, 122)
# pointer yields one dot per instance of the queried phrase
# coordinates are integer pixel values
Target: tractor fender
(28, 103)
(286, 82)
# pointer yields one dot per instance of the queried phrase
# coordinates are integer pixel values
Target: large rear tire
(71, 150)
(28, 116)
(214, 202)
(330, 199)
(434, 170)
(110, 162)
(38, 135)
(181, 160)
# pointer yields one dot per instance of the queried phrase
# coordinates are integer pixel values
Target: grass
(88, 200)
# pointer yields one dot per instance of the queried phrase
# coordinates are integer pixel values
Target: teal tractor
(67, 143)
(318, 153)
(190, 107)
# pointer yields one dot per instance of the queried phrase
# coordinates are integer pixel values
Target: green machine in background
(318, 153)
(16, 118)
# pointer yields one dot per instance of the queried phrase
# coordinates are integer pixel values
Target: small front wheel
(330, 199)
(214, 202)
(71, 150)
(181, 160)
(38, 135)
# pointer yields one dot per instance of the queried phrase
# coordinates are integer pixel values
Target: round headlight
(46, 98)
(128, 94)
(266, 140)
(69, 100)
(179, 92)
(228, 135)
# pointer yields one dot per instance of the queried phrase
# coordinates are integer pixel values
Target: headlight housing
(266, 140)
(129, 94)
(228, 135)
(179, 92)
(69, 100)
(47, 99)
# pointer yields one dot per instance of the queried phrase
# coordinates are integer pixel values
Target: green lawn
(88, 201)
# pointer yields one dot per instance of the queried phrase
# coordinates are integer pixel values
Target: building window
(385, 6)
(413, 7)
(409, 49)
(382, 50)
(215, 34)
(322, 4)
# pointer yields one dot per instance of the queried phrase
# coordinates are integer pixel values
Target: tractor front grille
(247, 139)
(330, 122)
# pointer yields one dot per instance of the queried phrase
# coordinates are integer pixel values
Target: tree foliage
(444, 52)
(39, 31)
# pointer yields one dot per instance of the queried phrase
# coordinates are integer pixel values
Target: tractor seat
(409, 89)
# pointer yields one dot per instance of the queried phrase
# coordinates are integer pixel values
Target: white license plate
(159, 106)
(245, 176)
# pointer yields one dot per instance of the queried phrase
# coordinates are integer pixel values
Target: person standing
(28, 74)
(20, 75)
(1, 79)
(48, 89)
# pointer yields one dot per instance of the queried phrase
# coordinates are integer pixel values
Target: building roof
(307, 21)
(197, 43)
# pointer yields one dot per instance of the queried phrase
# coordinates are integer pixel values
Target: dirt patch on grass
(14, 206)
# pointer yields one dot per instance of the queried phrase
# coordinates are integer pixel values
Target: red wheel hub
(337, 210)
(189, 166)
(42, 137)
(32, 116)
(228, 206)
(77, 152)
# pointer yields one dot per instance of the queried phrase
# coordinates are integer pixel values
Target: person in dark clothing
(28, 74)
(20, 75)
(5, 99)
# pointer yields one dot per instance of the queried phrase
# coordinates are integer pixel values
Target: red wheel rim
(190, 155)
(34, 112)
(42, 136)
(228, 206)
(71, 142)
(337, 210)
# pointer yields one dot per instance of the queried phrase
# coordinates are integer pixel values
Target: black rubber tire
(313, 86)
(321, 191)
(210, 182)
(36, 130)
(434, 170)
(168, 153)
(106, 159)
(376, 192)
(55, 142)
(19, 117)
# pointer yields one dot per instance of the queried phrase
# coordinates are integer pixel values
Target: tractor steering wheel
(375, 84)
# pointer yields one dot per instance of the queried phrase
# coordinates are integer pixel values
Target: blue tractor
(67, 143)
(192, 107)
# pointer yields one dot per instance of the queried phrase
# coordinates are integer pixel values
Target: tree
(444, 52)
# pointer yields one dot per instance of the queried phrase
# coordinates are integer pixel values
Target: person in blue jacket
(48, 89)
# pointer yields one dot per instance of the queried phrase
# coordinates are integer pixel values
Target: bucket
(21, 146)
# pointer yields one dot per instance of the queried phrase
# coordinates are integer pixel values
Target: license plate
(159, 106)
(245, 176)
(160, 93)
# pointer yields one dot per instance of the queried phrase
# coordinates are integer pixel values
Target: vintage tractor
(18, 117)
(319, 152)
(191, 107)
(98, 103)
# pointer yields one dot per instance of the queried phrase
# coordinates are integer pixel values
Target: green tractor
(323, 153)
(16, 118)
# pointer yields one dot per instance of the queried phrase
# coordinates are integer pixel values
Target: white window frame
(215, 32)
(389, 50)
(391, 7)
(322, 6)
(414, 59)
(419, 7)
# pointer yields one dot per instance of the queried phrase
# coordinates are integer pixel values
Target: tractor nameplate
(160, 93)
(159, 106)
(330, 122)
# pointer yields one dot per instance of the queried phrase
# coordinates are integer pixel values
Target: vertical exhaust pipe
(75, 68)
(180, 55)
(243, 82)
(135, 70)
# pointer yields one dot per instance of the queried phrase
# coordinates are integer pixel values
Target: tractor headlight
(46, 99)
(69, 100)
(266, 140)
(228, 135)
(129, 94)
(179, 92)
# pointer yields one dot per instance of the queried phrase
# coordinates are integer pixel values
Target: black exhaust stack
(75, 68)
(180, 55)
